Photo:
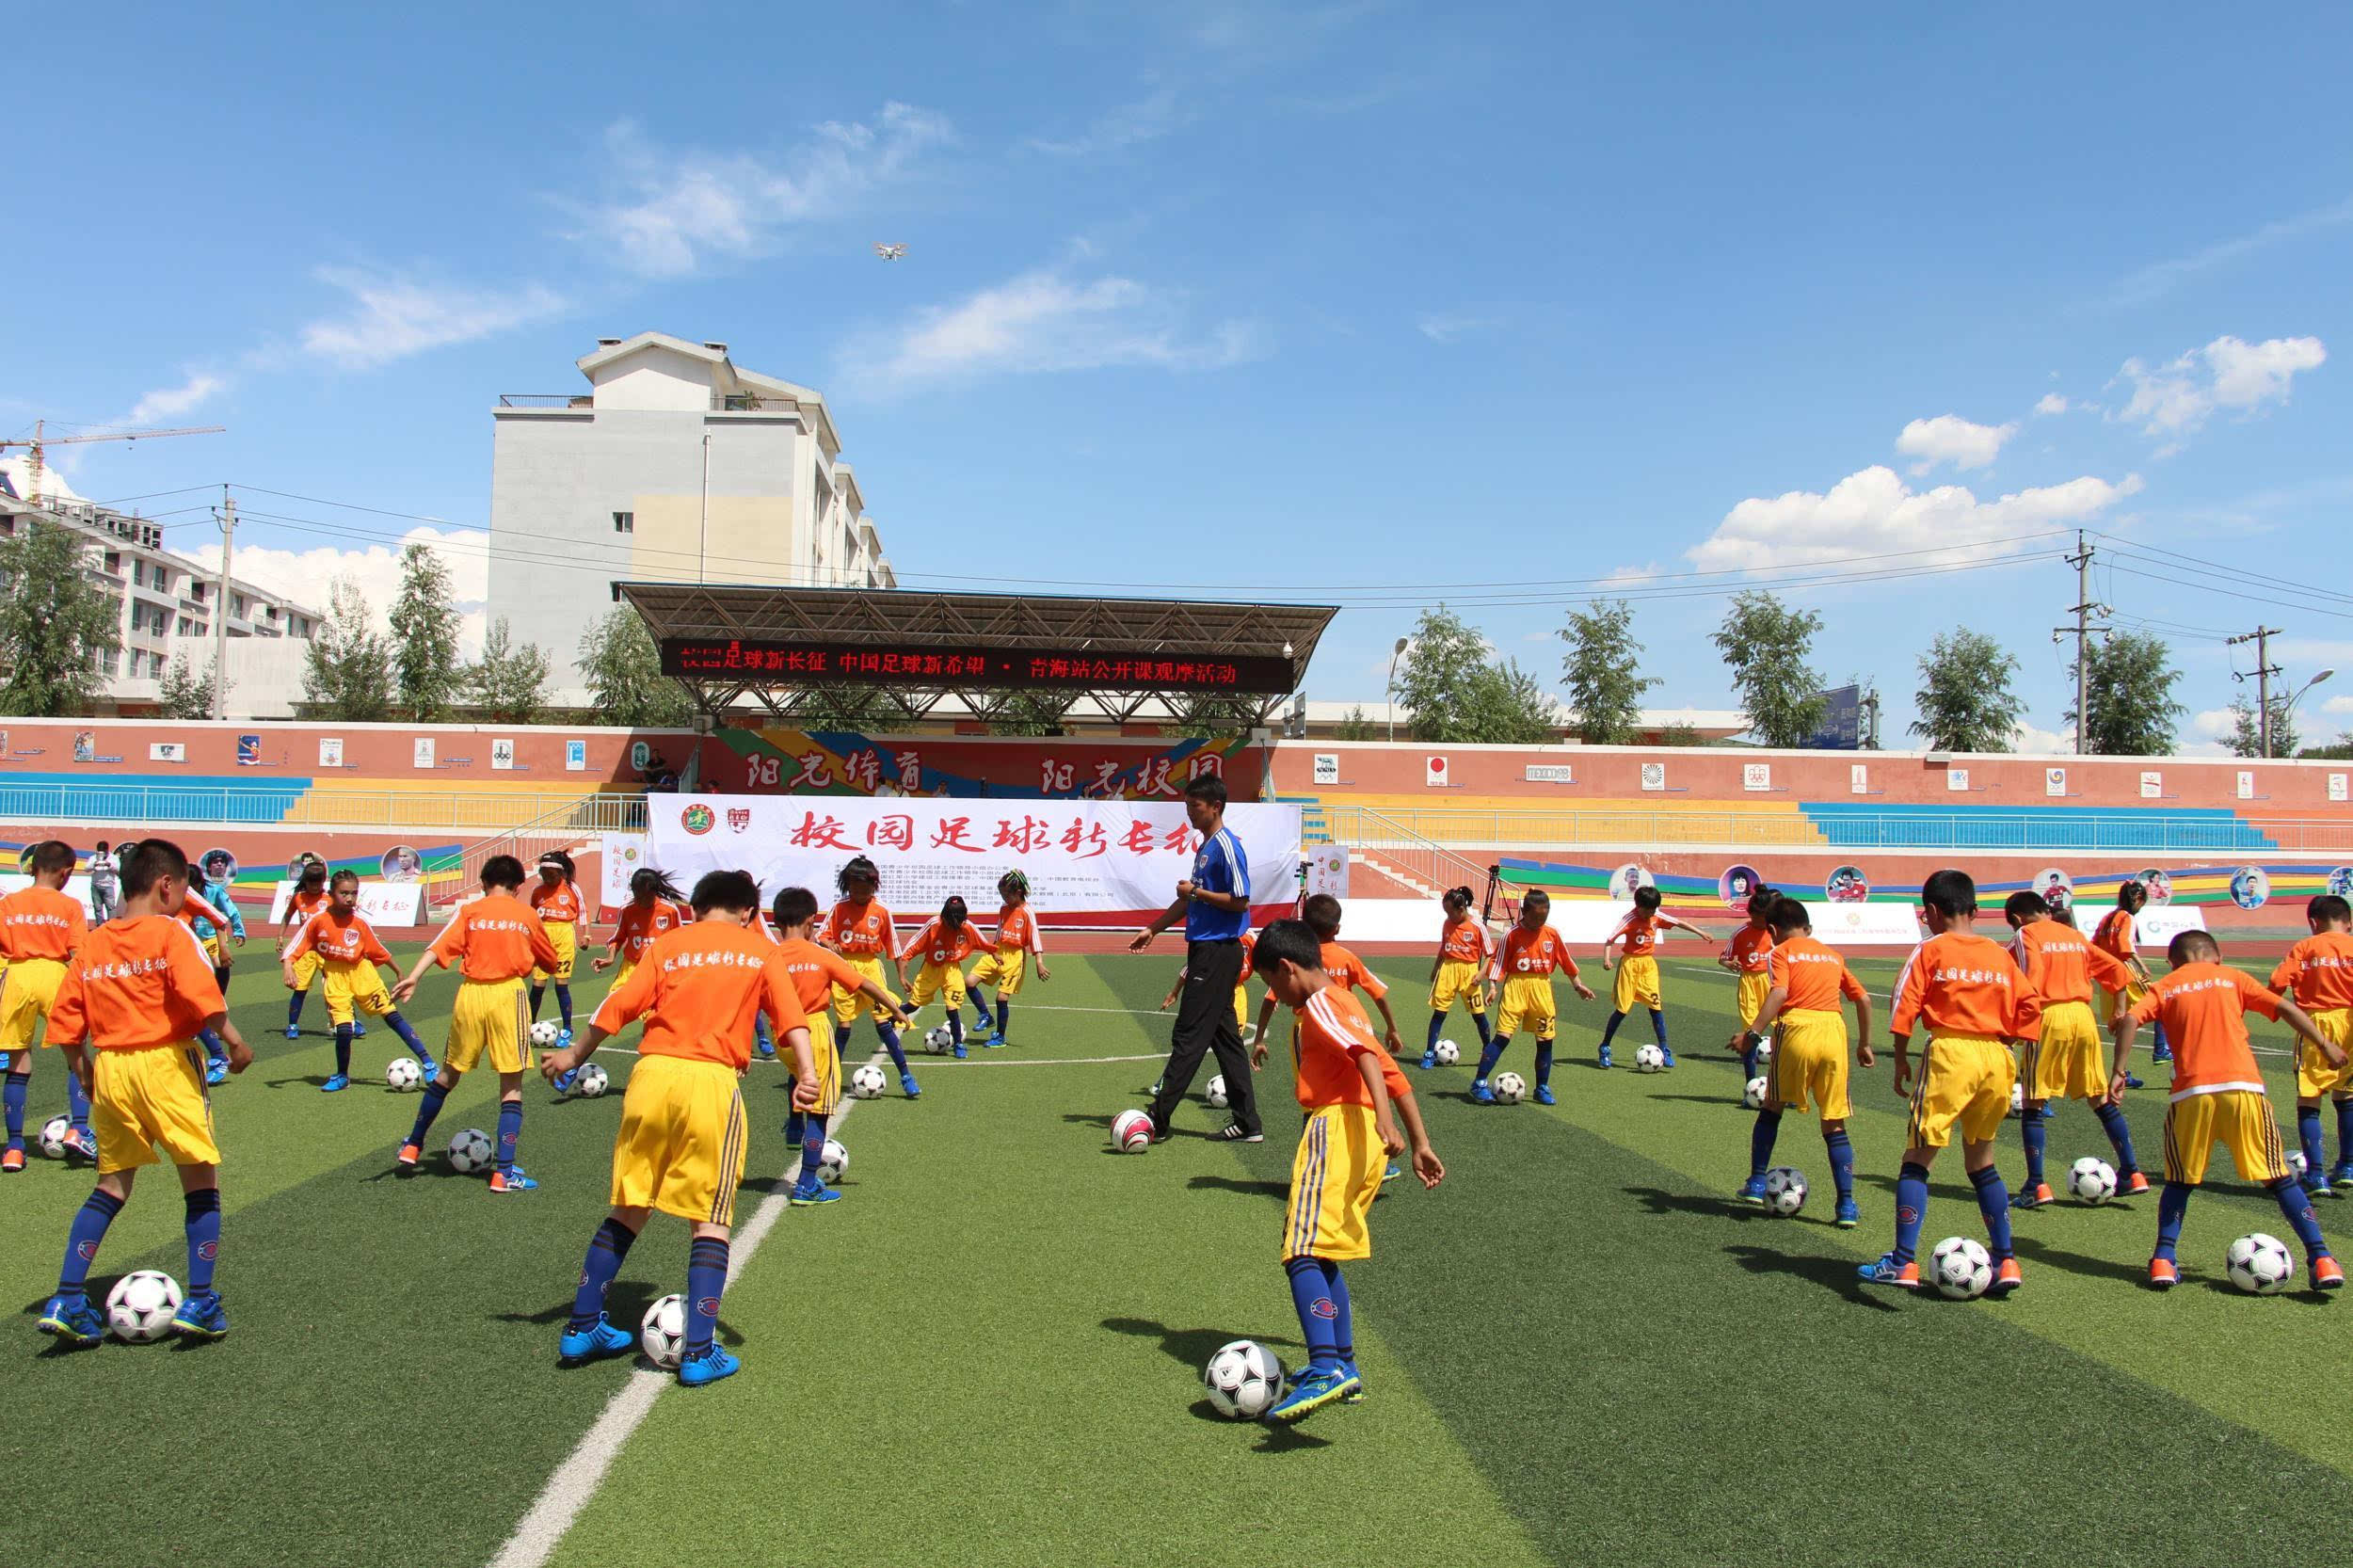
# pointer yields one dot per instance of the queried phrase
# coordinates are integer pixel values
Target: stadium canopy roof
(741, 645)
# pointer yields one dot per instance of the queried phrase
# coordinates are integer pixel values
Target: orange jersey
(1017, 928)
(1750, 950)
(1249, 957)
(698, 988)
(1351, 971)
(193, 908)
(2319, 968)
(814, 971)
(2117, 934)
(344, 938)
(1641, 931)
(40, 922)
(1532, 955)
(559, 904)
(1334, 1030)
(2061, 965)
(133, 984)
(2203, 1008)
(1464, 941)
(863, 931)
(936, 947)
(639, 925)
(495, 937)
(300, 906)
(1965, 984)
(1813, 975)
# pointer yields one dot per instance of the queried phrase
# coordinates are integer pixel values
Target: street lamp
(1395, 655)
(2290, 709)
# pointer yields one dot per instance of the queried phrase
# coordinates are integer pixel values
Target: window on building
(114, 562)
(196, 591)
(625, 522)
(617, 592)
(237, 605)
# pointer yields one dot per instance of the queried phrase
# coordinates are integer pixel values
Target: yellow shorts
(307, 969)
(1637, 981)
(1750, 999)
(355, 988)
(1809, 1064)
(682, 1139)
(1003, 967)
(214, 953)
(28, 988)
(150, 1096)
(562, 936)
(1458, 977)
(490, 1017)
(2314, 1076)
(1335, 1177)
(2116, 1005)
(826, 1056)
(2069, 1062)
(1242, 1009)
(934, 980)
(1963, 1078)
(1527, 997)
(849, 1005)
(622, 971)
(2240, 1120)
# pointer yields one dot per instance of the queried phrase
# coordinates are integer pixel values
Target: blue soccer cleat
(81, 1143)
(2316, 1185)
(907, 1082)
(1315, 1388)
(2132, 1080)
(201, 1317)
(1752, 1190)
(72, 1320)
(809, 1192)
(599, 1342)
(1391, 1175)
(1480, 1094)
(961, 1052)
(1603, 1061)
(1888, 1272)
(563, 1036)
(2341, 1174)
(1355, 1394)
(708, 1365)
(294, 1032)
(510, 1178)
(1849, 1216)
(767, 1049)
(995, 1042)
(216, 1072)
(2162, 1054)
(1670, 1056)
(358, 1028)
(1429, 1060)
(427, 1066)
(564, 1081)
(340, 1080)
(1543, 1094)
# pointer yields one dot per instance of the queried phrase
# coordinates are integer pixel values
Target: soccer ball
(1785, 1190)
(1244, 1380)
(2260, 1265)
(545, 1034)
(1650, 1059)
(1132, 1132)
(1754, 1096)
(140, 1306)
(1445, 1053)
(2017, 1099)
(470, 1151)
(53, 1133)
(402, 1074)
(2296, 1164)
(1508, 1088)
(866, 1083)
(663, 1335)
(591, 1082)
(1216, 1093)
(1764, 1055)
(1960, 1269)
(940, 1041)
(832, 1163)
(2094, 1179)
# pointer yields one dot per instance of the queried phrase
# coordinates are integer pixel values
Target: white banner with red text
(1090, 862)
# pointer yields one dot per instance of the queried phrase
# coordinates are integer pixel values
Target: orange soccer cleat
(2005, 1278)
(2164, 1274)
(408, 1156)
(2133, 1186)
(2328, 1273)
(12, 1161)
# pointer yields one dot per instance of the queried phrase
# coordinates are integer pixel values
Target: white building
(677, 464)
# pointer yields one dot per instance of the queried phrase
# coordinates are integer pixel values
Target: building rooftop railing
(545, 400)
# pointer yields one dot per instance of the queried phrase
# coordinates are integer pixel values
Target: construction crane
(41, 440)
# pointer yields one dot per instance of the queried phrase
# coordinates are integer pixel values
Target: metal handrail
(138, 805)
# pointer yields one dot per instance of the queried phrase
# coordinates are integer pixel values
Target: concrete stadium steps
(1857, 825)
(430, 802)
(1443, 816)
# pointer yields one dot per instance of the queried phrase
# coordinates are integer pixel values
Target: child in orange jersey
(2118, 934)
(1531, 952)
(2066, 1060)
(306, 898)
(655, 905)
(39, 928)
(1459, 970)
(1638, 971)
(2319, 972)
(815, 971)
(349, 952)
(1321, 914)
(943, 945)
(860, 929)
(1018, 939)
(557, 902)
(2218, 1094)
(1976, 1001)
(1804, 980)
(1746, 956)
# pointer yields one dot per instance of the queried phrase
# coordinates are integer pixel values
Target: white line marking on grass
(1047, 1060)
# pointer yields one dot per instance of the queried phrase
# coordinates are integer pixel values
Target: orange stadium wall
(165, 750)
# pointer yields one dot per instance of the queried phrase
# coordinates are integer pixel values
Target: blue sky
(1329, 301)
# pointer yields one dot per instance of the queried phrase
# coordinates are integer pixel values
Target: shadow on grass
(1191, 1346)
(311, 1081)
(2301, 1297)
(624, 1305)
(1659, 1201)
(1834, 1275)
(1280, 1191)
(1091, 1118)
(1730, 1102)
(2034, 1250)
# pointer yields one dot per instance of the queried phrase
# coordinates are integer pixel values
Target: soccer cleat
(1155, 1090)
(767, 1049)
(995, 1042)
(1429, 1060)
(1888, 1272)
(2005, 1278)
(1669, 1058)
(359, 1029)
(1355, 1394)
(1850, 1215)
(2328, 1273)
(2164, 1274)
(1752, 1190)
(294, 1032)
(72, 1320)
(13, 1158)
(340, 1080)
(708, 1365)
(564, 1081)
(2132, 1080)
(510, 1178)
(1390, 1174)
(2165, 1054)
(2035, 1196)
(596, 1343)
(405, 1160)
(563, 1036)
(201, 1317)
(2316, 1185)
(2134, 1185)
(1234, 1133)
(1480, 1094)
(2341, 1174)
(81, 1143)
(428, 1068)
(907, 1082)
(1315, 1388)
(216, 1072)
(961, 1052)
(1543, 1094)
(1603, 1061)
(809, 1192)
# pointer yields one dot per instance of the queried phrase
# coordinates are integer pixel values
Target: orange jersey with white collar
(133, 984)
(2319, 968)
(639, 925)
(698, 988)
(1750, 950)
(1464, 941)
(2117, 934)
(1532, 955)
(1351, 971)
(558, 906)
(40, 922)
(1960, 982)
(1812, 974)
(1333, 1032)
(936, 946)
(860, 930)
(301, 905)
(814, 971)
(2061, 965)
(1640, 928)
(344, 938)
(2203, 1008)
(1018, 930)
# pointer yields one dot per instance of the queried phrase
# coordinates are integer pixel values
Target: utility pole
(2265, 669)
(2084, 609)
(220, 605)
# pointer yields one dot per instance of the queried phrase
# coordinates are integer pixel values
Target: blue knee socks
(1543, 1063)
(538, 995)
(1319, 1312)
(2344, 1132)
(510, 1132)
(2034, 1128)
(14, 1097)
(1841, 1151)
(214, 1048)
(1437, 1022)
(812, 1145)
(1994, 1203)
(409, 1037)
(203, 1227)
(1004, 1016)
(2119, 1134)
(293, 1008)
(434, 1095)
(1490, 1054)
(1761, 1138)
(76, 1102)
(1343, 1325)
(706, 1281)
(606, 1251)
(1912, 1207)
(342, 1050)
(2172, 1207)
(1481, 1020)
(890, 1044)
(564, 1002)
(955, 1025)
(1659, 1027)
(90, 1225)
(1610, 1030)
(2297, 1206)
(2308, 1136)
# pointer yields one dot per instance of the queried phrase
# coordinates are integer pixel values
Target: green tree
(623, 670)
(1965, 700)
(428, 675)
(348, 670)
(1509, 706)
(2129, 680)
(2247, 740)
(1029, 714)
(844, 706)
(183, 696)
(1767, 644)
(1604, 691)
(1455, 694)
(1681, 732)
(1357, 726)
(2338, 750)
(508, 685)
(57, 626)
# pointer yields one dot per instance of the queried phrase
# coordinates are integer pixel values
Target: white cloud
(1950, 439)
(1874, 511)
(306, 576)
(1148, 118)
(2338, 705)
(2209, 733)
(2171, 400)
(394, 318)
(679, 210)
(2051, 403)
(2036, 741)
(172, 402)
(1643, 573)
(1447, 326)
(1047, 320)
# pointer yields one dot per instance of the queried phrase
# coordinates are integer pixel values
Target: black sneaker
(1235, 1133)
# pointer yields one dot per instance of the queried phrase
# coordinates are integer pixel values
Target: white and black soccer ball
(1960, 1269)
(1650, 1059)
(139, 1308)
(1785, 1190)
(402, 1074)
(1132, 1132)
(1215, 1094)
(53, 1133)
(1752, 1095)
(1764, 1055)
(2260, 1265)
(592, 1082)
(2297, 1167)
(1243, 1379)
(939, 1040)
(471, 1151)
(546, 1033)
(2017, 1099)
(1508, 1088)
(2091, 1179)
(663, 1335)
(831, 1162)
(866, 1083)
(1445, 1053)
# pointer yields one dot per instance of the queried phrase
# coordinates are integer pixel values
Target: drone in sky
(890, 252)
